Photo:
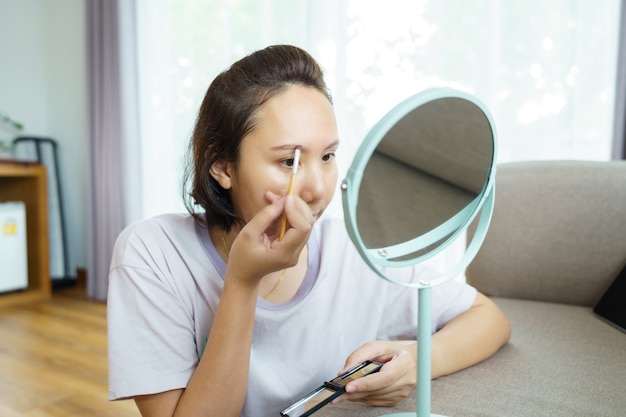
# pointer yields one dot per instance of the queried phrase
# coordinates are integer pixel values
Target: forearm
(218, 386)
(469, 338)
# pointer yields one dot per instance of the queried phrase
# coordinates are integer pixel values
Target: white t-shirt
(165, 283)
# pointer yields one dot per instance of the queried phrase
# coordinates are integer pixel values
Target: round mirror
(420, 177)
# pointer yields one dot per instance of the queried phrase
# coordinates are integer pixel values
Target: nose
(311, 184)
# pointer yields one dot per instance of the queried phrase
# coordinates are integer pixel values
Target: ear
(221, 172)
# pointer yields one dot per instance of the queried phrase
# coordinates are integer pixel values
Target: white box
(13, 251)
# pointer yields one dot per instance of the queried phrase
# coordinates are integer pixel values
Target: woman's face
(297, 117)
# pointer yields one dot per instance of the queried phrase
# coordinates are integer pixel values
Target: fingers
(259, 240)
(299, 218)
(265, 218)
(387, 387)
(395, 380)
(369, 351)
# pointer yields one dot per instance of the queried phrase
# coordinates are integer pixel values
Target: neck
(222, 241)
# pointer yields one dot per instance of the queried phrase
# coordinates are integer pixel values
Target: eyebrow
(291, 147)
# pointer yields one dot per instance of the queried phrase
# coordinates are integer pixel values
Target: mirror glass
(420, 177)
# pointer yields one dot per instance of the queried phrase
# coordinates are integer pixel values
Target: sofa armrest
(558, 231)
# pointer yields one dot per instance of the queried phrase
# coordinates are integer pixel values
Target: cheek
(251, 187)
(331, 181)
(334, 174)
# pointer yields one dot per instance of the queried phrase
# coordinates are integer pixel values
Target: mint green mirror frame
(427, 245)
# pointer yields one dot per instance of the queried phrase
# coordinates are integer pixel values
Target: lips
(318, 214)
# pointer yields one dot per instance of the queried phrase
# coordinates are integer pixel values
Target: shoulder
(154, 234)
(331, 227)
(159, 225)
(332, 237)
(163, 222)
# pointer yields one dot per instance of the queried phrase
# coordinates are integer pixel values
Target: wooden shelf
(23, 181)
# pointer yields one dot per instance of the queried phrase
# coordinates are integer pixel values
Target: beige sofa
(557, 239)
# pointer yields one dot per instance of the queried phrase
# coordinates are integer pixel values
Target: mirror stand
(424, 311)
(424, 381)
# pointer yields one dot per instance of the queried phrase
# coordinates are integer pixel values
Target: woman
(213, 314)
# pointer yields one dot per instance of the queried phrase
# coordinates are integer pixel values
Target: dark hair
(228, 113)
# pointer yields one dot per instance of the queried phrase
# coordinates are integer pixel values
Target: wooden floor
(53, 359)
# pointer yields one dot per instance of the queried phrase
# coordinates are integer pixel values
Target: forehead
(294, 116)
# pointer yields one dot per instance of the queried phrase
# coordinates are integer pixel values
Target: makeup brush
(290, 190)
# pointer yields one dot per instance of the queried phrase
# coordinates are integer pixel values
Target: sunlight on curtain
(547, 74)
(183, 46)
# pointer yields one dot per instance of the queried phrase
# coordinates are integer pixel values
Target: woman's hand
(395, 380)
(467, 339)
(257, 249)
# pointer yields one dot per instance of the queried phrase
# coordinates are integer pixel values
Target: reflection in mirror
(430, 166)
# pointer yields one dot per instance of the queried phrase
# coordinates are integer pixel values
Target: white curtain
(113, 138)
(547, 74)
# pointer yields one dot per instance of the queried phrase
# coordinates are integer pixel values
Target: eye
(328, 157)
(288, 162)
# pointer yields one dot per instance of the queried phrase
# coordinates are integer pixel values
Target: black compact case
(322, 395)
(612, 305)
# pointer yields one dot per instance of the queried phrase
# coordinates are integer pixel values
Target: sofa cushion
(558, 231)
(561, 361)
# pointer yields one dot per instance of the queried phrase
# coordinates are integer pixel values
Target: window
(547, 74)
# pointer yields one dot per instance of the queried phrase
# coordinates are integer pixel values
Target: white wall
(42, 85)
